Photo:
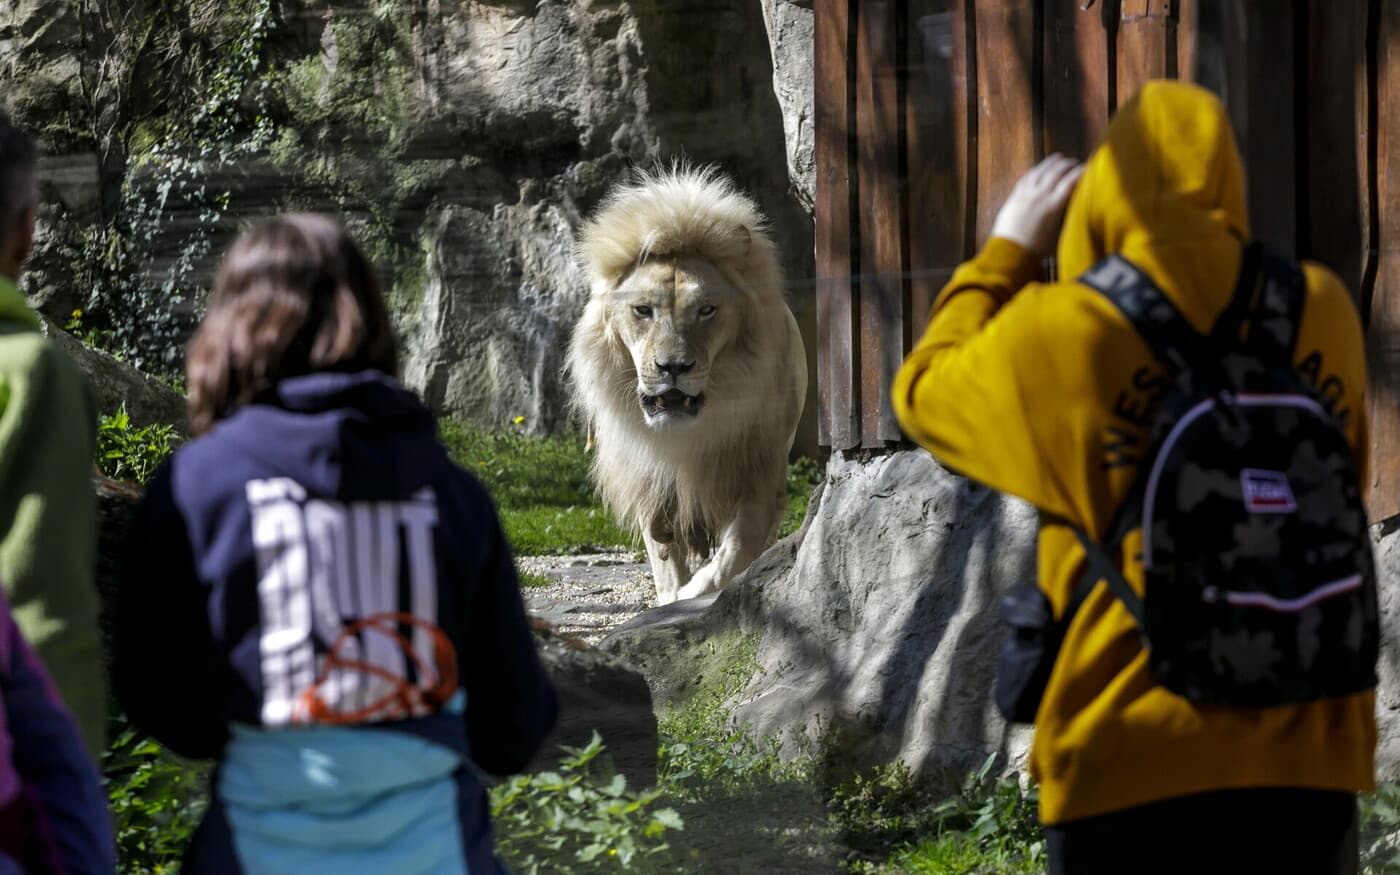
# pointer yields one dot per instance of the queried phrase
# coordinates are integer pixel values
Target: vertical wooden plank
(836, 370)
(1146, 45)
(1261, 95)
(1383, 329)
(1187, 32)
(1367, 154)
(881, 213)
(937, 143)
(1076, 78)
(1006, 112)
(1336, 169)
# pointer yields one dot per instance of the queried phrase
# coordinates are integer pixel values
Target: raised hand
(1033, 211)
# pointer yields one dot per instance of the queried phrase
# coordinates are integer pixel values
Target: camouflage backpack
(1259, 581)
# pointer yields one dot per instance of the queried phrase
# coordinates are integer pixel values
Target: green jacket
(48, 512)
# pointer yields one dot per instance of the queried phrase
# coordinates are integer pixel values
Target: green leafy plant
(698, 767)
(882, 809)
(990, 826)
(1380, 831)
(89, 337)
(573, 821)
(157, 800)
(802, 477)
(125, 452)
(171, 104)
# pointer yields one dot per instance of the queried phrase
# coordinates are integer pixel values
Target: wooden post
(1383, 329)
(879, 139)
(1007, 114)
(836, 369)
(1076, 78)
(938, 140)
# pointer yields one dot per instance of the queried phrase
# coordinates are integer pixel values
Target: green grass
(803, 476)
(958, 854)
(894, 823)
(545, 496)
(533, 579)
(541, 488)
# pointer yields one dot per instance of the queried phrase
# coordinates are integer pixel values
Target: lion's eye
(642, 312)
(707, 311)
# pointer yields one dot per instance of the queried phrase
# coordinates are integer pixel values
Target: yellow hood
(1165, 189)
(1046, 392)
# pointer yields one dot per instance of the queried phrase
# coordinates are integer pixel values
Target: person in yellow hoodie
(1045, 391)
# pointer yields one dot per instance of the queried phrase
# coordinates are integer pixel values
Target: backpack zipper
(1213, 595)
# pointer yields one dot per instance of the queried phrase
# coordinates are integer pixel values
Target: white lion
(690, 373)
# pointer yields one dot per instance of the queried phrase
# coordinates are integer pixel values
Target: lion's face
(675, 316)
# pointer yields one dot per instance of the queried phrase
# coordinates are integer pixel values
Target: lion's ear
(743, 240)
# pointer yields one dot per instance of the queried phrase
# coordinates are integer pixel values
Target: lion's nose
(674, 368)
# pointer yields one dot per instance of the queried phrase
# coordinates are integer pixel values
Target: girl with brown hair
(316, 596)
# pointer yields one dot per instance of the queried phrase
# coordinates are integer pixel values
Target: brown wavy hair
(294, 296)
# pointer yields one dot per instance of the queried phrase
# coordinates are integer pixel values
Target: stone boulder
(870, 634)
(598, 693)
(790, 25)
(148, 400)
(873, 632)
(1386, 537)
(41, 56)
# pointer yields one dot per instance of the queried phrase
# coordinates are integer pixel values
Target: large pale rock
(500, 296)
(790, 39)
(115, 383)
(598, 693)
(1386, 536)
(876, 625)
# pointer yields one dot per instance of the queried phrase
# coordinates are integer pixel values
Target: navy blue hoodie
(303, 582)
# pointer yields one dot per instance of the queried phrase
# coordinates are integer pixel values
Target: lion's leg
(741, 542)
(668, 562)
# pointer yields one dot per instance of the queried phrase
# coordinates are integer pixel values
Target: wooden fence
(927, 112)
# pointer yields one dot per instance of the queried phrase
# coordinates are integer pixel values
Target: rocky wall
(464, 142)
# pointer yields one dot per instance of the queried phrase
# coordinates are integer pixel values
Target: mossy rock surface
(693, 659)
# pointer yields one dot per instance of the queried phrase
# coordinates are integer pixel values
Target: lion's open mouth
(672, 402)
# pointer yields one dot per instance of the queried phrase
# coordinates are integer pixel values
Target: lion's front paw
(705, 581)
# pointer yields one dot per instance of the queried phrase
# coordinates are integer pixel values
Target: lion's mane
(693, 477)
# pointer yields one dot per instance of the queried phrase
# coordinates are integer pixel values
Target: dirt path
(592, 594)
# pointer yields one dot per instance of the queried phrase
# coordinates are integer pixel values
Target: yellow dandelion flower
(519, 420)
(77, 314)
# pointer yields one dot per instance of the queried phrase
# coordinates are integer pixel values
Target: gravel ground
(592, 593)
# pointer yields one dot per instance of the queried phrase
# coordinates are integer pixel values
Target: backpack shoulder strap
(1173, 341)
(1099, 565)
(1278, 310)
(1269, 299)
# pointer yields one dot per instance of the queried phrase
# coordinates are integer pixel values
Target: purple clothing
(53, 812)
